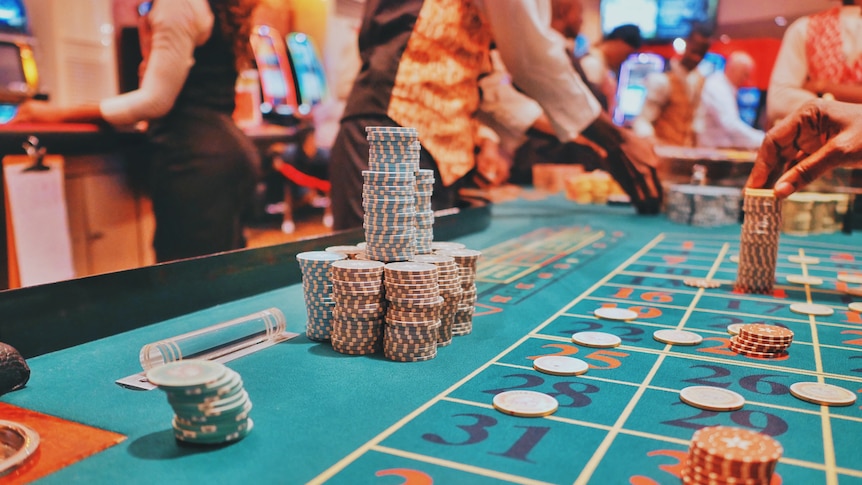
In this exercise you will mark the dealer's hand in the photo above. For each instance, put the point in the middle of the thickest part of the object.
(491, 167)
(819, 136)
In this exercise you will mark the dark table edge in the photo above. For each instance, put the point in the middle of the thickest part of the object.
(46, 318)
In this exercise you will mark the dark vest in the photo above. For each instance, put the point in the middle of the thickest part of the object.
(212, 78)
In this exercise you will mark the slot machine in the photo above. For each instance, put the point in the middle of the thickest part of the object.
(19, 79)
(308, 73)
(280, 100)
(631, 91)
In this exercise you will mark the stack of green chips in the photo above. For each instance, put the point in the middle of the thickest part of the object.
(209, 402)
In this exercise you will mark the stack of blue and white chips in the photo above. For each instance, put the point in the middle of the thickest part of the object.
(467, 260)
(317, 290)
(389, 193)
(424, 212)
(209, 401)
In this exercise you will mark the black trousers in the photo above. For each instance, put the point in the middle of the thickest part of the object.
(350, 157)
(202, 172)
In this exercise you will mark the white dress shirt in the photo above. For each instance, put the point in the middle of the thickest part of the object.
(523, 36)
(721, 126)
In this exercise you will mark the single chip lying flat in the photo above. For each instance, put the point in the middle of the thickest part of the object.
(598, 340)
(825, 394)
(701, 283)
(560, 365)
(677, 337)
(803, 259)
(528, 404)
(613, 313)
(711, 398)
(853, 279)
(799, 279)
(812, 309)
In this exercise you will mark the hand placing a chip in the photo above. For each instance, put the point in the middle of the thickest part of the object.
(819, 136)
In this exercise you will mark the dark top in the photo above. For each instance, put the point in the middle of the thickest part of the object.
(386, 28)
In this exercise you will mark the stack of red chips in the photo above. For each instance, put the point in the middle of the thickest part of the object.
(762, 341)
(723, 454)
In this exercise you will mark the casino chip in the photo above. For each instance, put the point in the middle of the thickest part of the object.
(702, 283)
(598, 340)
(733, 328)
(186, 374)
(853, 279)
(211, 406)
(711, 398)
(560, 365)
(317, 290)
(825, 394)
(758, 244)
(799, 279)
(803, 259)
(527, 404)
(812, 309)
(763, 341)
(855, 307)
(677, 337)
(728, 455)
(614, 313)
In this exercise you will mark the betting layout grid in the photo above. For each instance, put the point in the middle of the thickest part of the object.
(399, 291)
(628, 402)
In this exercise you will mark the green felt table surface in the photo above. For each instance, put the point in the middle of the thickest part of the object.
(324, 417)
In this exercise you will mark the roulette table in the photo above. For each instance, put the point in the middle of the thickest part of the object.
(547, 265)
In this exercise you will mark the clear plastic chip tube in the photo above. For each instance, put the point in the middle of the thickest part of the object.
(217, 340)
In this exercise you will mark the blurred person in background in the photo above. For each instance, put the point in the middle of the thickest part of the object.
(820, 55)
(722, 127)
(672, 98)
(202, 168)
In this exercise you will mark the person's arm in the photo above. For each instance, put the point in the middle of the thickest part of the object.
(539, 64)
(819, 136)
(178, 26)
(657, 91)
(505, 109)
(786, 85)
(719, 103)
(492, 168)
(850, 93)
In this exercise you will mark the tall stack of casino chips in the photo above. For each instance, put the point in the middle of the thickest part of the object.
(389, 193)
(762, 341)
(209, 401)
(357, 323)
(413, 313)
(467, 260)
(449, 283)
(424, 212)
(723, 454)
(317, 290)
(758, 245)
